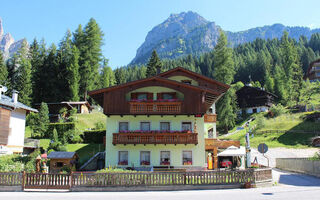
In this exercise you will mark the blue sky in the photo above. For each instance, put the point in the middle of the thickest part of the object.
(126, 23)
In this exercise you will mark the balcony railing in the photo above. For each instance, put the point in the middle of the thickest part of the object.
(154, 107)
(155, 138)
(210, 118)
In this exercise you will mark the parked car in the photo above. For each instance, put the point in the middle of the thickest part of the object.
(225, 163)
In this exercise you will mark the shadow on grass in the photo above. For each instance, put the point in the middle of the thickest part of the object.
(86, 152)
(296, 138)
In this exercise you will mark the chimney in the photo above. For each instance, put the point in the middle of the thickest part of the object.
(15, 96)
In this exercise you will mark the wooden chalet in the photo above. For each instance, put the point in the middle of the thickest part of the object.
(254, 100)
(313, 71)
(160, 121)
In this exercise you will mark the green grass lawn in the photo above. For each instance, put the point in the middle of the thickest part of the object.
(288, 140)
(85, 151)
(44, 143)
(85, 121)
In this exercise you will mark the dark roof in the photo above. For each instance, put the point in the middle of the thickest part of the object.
(61, 155)
(7, 101)
(257, 89)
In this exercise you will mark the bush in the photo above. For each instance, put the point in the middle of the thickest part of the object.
(261, 121)
(277, 110)
(99, 126)
(11, 163)
(60, 127)
(95, 136)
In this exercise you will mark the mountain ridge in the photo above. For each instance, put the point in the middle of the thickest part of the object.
(189, 33)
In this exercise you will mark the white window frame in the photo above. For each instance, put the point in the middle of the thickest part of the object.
(192, 160)
(121, 122)
(119, 157)
(187, 122)
(169, 157)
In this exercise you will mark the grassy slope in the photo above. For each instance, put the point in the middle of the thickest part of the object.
(85, 121)
(85, 151)
(284, 122)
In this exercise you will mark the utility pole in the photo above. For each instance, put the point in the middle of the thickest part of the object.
(248, 150)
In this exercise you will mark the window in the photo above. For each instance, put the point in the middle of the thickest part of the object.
(186, 126)
(123, 126)
(145, 158)
(164, 157)
(123, 158)
(186, 81)
(167, 96)
(164, 126)
(59, 164)
(145, 126)
(187, 157)
(143, 96)
(318, 74)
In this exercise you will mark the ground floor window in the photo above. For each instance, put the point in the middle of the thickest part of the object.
(145, 158)
(164, 157)
(187, 157)
(123, 158)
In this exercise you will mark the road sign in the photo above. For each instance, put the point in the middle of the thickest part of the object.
(262, 148)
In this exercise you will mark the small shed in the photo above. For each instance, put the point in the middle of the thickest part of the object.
(235, 154)
(60, 160)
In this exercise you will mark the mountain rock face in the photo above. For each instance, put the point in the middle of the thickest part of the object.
(7, 44)
(189, 33)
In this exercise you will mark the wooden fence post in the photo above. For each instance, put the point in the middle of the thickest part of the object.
(71, 179)
(23, 179)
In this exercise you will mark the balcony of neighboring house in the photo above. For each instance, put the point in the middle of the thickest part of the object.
(145, 103)
(155, 137)
(210, 118)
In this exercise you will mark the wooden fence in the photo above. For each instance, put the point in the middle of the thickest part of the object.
(135, 179)
(10, 179)
(161, 178)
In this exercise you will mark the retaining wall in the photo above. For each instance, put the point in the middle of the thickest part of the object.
(301, 165)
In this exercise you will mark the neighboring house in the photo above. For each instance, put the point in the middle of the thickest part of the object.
(60, 160)
(12, 123)
(82, 107)
(160, 121)
(313, 71)
(254, 100)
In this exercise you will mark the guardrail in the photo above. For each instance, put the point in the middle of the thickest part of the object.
(301, 165)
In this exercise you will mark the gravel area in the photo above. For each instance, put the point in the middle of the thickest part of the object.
(280, 152)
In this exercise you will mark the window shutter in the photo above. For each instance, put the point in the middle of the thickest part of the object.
(134, 95)
(150, 96)
(159, 95)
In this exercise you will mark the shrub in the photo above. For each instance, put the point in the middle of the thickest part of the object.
(60, 127)
(99, 126)
(261, 121)
(95, 136)
(277, 110)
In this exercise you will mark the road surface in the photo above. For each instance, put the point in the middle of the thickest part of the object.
(289, 186)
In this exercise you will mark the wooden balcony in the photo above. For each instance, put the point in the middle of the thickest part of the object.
(210, 118)
(155, 107)
(155, 138)
(223, 144)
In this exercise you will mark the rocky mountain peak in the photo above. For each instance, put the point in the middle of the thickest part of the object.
(8, 46)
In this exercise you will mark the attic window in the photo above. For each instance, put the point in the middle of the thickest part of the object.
(186, 81)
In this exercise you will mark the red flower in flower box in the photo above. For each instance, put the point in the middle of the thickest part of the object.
(165, 163)
(125, 162)
(187, 163)
(145, 163)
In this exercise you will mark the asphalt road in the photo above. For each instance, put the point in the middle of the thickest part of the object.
(289, 186)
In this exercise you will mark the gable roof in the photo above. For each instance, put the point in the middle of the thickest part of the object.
(193, 74)
(61, 155)
(256, 89)
(160, 77)
(7, 101)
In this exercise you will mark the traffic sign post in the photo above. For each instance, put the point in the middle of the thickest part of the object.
(263, 148)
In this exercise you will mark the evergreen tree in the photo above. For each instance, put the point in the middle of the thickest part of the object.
(43, 120)
(224, 72)
(68, 57)
(89, 42)
(107, 76)
(120, 76)
(21, 78)
(153, 65)
(3, 71)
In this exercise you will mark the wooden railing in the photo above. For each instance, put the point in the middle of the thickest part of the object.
(215, 143)
(161, 178)
(47, 181)
(155, 107)
(211, 118)
(155, 138)
(10, 178)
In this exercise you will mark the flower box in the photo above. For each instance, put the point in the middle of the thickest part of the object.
(144, 163)
(123, 162)
(187, 163)
(165, 163)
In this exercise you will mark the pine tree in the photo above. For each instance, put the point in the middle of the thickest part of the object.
(107, 76)
(153, 65)
(68, 58)
(21, 80)
(89, 42)
(3, 71)
(224, 72)
(43, 120)
(120, 76)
